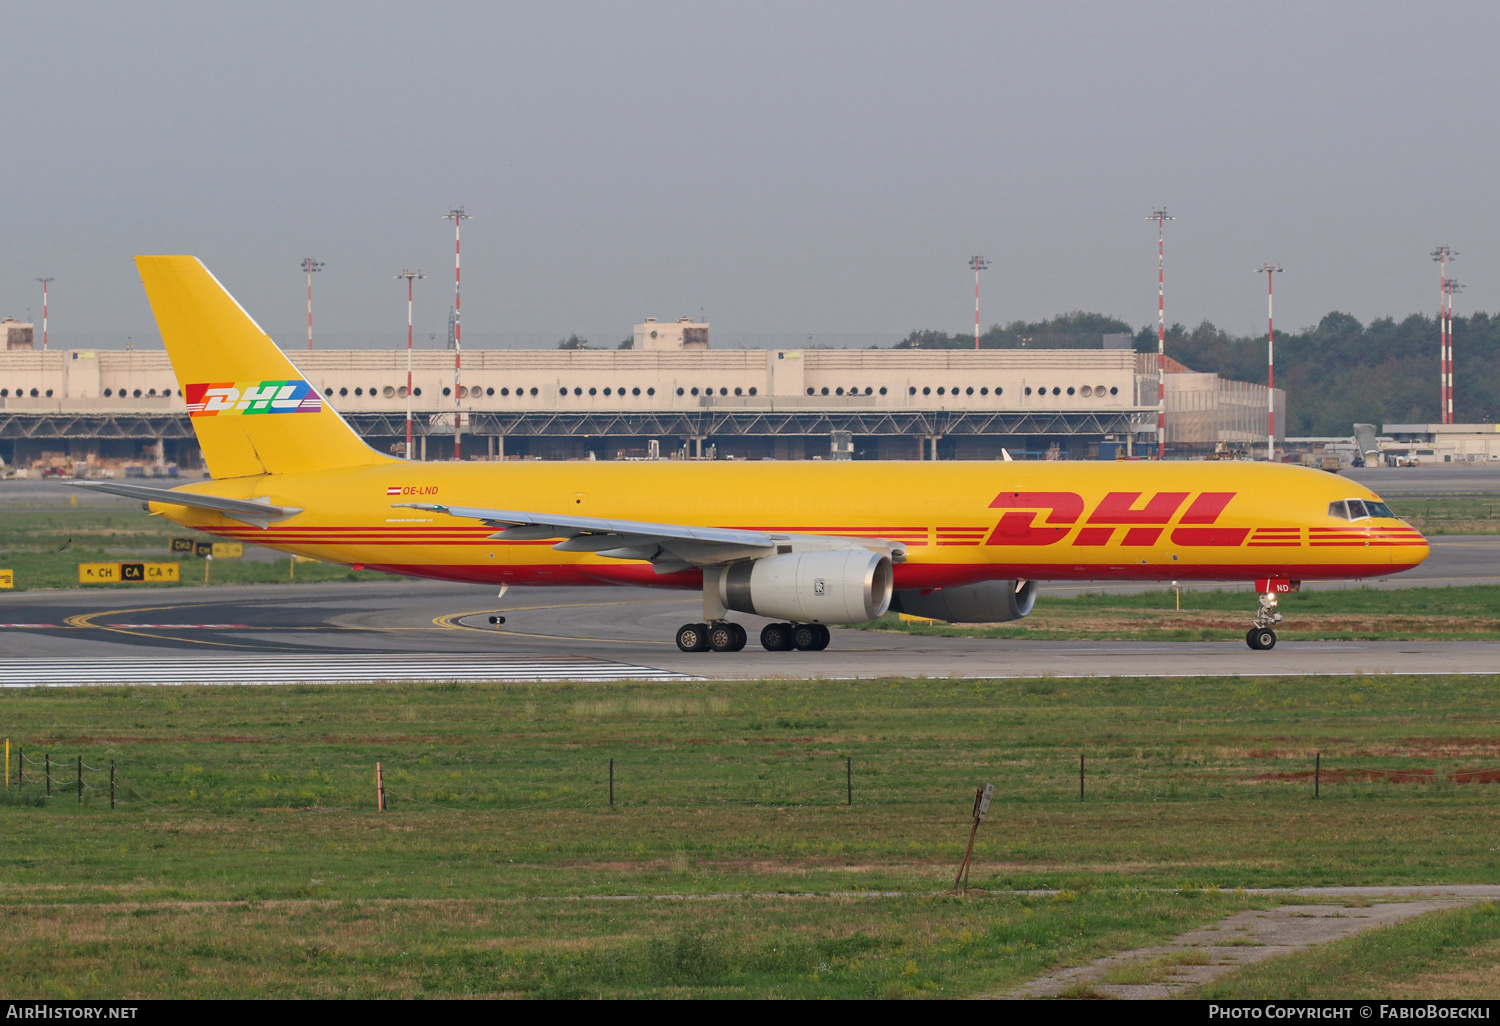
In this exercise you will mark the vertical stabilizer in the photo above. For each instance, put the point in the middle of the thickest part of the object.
(252, 410)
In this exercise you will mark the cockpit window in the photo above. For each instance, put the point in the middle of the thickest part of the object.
(1359, 509)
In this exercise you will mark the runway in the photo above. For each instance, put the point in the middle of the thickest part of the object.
(414, 630)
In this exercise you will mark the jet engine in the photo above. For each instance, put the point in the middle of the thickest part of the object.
(839, 586)
(985, 602)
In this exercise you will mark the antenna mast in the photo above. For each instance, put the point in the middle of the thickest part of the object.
(457, 216)
(1161, 217)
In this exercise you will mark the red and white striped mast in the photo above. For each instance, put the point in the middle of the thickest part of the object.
(1441, 256)
(979, 263)
(409, 276)
(1161, 218)
(309, 265)
(44, 282)
(1270, 271)
(1450, 286)
(457, 216)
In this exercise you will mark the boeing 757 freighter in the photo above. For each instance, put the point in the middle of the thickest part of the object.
(806, 543)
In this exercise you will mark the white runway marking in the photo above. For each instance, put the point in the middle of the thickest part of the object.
(316, 669)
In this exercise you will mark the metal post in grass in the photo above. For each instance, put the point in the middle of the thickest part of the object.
(20, 765)
(47, 771)
(982, 798)
(611, 783)
(111, 783)
(849, 779)
(7, 764)
(1317, 774)
(1080, 776)
(80, 780)
(379, 789)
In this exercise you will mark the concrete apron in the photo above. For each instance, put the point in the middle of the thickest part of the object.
(1242, 939)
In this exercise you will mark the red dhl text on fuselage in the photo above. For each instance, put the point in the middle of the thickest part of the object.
(960, 521)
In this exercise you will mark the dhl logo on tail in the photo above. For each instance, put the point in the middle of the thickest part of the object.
(210, 399)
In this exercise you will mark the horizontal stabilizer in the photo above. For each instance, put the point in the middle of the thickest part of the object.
(238, 508)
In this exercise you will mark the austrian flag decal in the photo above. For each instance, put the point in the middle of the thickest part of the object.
(411, 489)
(212, 398)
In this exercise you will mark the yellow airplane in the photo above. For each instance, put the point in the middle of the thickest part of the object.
(806, 543)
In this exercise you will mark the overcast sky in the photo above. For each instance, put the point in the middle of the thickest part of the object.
(789, 168)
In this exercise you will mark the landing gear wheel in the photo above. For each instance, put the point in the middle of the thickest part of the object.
(725, 637)
(777, 637)
(807, 635)
(1261, 638)
(823, 638)
(693, 637)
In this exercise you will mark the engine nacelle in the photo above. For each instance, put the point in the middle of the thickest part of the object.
(839, 586)
(985, 602)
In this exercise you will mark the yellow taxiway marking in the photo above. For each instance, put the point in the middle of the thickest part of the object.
(450, 621)
(86, 620)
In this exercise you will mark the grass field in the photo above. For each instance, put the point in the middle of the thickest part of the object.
(1466, 613)
(44, 548)
(1449, 514)
(251, 860)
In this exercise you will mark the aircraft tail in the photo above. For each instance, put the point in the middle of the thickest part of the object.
(252, 410)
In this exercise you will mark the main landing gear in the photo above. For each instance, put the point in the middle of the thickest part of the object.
(727, 636)
(1261, 637)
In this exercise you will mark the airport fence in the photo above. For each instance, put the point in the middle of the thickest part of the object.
(46, 777)
(51, 777)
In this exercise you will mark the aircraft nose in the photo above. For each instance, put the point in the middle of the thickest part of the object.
(1409, 548)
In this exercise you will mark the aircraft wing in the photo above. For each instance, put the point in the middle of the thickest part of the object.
(668, 547)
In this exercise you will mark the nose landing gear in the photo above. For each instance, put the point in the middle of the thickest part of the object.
(1261, 637)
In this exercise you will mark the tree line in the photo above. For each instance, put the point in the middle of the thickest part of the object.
(1336, 373)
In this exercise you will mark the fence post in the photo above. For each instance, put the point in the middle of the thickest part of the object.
(47, 771)
(20, 765)
(611, 783)
(111, 783)
(7, 764)
(80, 780)
(1317, 774)
(849, 778)
(1080, 776)
(379, 789)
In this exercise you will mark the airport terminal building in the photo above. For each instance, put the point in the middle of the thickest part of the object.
(671, 396)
